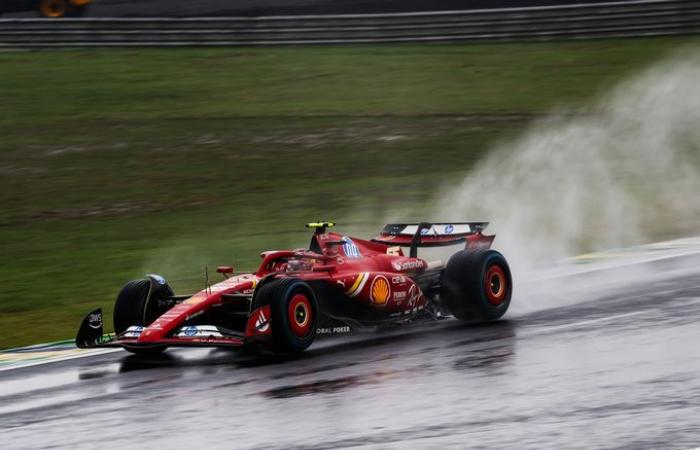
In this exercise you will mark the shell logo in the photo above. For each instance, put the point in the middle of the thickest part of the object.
(380, 291)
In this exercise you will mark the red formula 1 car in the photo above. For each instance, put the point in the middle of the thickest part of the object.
(337, 285)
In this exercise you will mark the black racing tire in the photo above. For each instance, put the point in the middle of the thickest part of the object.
(137, 304)
(477, 285)
(294, 313)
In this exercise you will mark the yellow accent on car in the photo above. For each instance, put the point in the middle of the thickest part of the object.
(80, 2)
(320, 224)
(355, 284)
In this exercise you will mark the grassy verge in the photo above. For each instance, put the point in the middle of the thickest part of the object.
(116, 163)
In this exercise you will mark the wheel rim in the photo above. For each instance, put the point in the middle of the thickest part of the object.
(300, 315)
(53, 8)
(496, 285)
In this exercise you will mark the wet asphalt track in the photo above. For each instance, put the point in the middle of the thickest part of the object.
(575, 365)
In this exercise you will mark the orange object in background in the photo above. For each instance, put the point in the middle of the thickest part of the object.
(50, 9)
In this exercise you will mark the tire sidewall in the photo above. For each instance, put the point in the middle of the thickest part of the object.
(464, 285)
(130, 305)
(278, 296)
(489, 310)
(136, 303)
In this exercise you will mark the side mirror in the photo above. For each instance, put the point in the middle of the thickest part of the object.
(225, 270)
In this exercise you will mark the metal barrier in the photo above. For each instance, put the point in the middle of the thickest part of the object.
(584, 21)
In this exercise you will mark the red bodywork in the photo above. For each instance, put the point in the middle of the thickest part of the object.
(375, 274)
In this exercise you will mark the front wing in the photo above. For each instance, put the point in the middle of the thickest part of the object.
(91, 335)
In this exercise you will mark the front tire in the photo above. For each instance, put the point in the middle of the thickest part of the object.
(477, 285)
(293, 313)
(138, 303)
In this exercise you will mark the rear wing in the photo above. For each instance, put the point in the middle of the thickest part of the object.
(427, 234)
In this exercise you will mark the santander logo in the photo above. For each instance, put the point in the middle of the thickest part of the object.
(408, 265)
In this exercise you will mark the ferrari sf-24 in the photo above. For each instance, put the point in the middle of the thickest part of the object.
(338, 284)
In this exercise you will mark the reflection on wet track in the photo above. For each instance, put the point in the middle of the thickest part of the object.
(617, 369)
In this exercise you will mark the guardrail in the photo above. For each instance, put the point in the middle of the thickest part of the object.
(584, 21)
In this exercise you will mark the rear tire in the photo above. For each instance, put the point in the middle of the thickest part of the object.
(137, 304)
(477, 285)
(293, 313)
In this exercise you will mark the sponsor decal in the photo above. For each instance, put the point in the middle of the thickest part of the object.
(413, 264)
(203, 331)
(350, 249)
(400, 296)
(398, 279)
(411, 304)
(357, 286)
(95, 321)
(394, 251)
(133, 331)
(412, 295)
(263, 323)
(380, 291)
(333, 330)
(449, 229)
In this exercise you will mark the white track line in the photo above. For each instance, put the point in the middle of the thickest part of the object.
(61, 358)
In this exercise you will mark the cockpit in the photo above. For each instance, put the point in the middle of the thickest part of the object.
(290, 264)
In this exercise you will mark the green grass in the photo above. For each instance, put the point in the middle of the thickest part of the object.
(117, 163)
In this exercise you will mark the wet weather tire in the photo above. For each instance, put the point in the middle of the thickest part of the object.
(477, 285)
(137, 305)
(293, 313)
